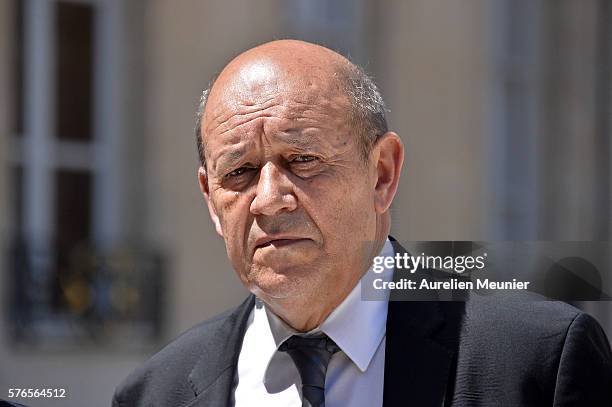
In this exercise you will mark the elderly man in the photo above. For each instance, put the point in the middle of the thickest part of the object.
(299, 170)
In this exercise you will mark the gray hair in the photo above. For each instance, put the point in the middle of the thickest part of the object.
(368, 110)
(198, 124)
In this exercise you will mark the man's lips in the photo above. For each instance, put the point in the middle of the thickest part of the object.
(277, 241)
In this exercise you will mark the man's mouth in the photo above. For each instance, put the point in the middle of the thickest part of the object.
(278, 242)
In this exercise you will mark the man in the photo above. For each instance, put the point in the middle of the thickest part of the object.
(299, 170)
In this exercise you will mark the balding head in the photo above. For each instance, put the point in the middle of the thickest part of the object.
(301, 65)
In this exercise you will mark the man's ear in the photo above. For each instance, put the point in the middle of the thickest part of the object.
(203, 180)
(388, 155)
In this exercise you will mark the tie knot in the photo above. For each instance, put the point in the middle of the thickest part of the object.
(313, 344)
(311, 355)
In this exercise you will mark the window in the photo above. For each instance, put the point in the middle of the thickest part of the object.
(72, 280)
(74, 39)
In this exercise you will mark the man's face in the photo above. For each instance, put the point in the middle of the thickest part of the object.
(287, 187)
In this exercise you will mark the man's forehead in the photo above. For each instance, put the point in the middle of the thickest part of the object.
(264, 85)
(250, 85)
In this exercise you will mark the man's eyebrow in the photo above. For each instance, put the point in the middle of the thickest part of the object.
(227, 159)
(294, 137)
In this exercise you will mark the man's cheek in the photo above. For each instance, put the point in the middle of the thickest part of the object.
(225, 207)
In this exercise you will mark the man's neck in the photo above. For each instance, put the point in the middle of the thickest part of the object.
(305, 313)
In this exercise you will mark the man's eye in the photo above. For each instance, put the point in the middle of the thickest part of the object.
(237, 172)
(304, 159)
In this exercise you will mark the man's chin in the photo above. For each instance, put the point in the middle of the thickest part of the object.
(279, 283)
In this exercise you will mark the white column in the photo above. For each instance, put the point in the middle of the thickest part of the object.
(39, 80)
(512, 118)
(107, 211)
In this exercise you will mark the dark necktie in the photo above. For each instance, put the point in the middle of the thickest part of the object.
(311, 357)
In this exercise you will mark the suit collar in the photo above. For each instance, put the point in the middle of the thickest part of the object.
(212, 377)
(420, 350)
(417, 365)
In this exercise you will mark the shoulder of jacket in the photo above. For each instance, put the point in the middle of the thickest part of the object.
(171, 366)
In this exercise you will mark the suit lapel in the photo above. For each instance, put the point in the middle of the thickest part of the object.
(212, 378)
(419, 351)
(417, 367)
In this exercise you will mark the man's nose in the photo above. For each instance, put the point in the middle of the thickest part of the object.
(274, 192)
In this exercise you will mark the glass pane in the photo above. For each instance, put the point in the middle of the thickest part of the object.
(73, 216)
(74, 25)
(73, 208)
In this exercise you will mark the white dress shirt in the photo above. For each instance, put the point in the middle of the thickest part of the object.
(355, 375)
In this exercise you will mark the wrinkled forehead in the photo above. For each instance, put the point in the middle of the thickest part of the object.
(294, 86)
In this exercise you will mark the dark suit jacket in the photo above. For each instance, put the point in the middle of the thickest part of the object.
(495, 350)
(4, 403)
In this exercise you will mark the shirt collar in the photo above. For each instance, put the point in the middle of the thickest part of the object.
(356, 326)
